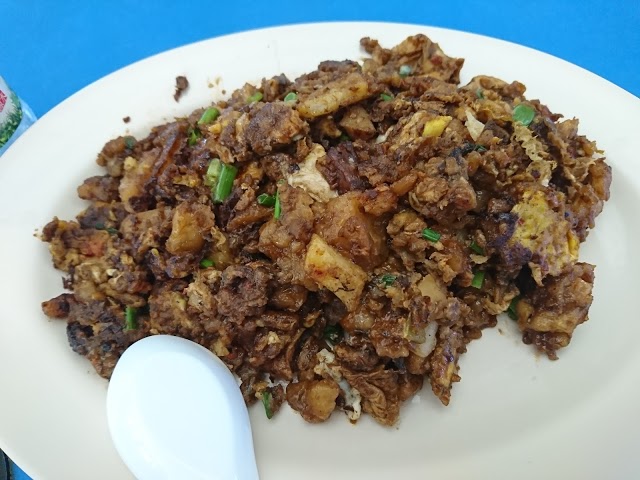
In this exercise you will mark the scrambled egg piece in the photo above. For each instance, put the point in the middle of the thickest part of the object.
(545, 233)
(435, 127)
(541, 166)
(327, 368)
(419, 126)
(339, 93)
(310, 179)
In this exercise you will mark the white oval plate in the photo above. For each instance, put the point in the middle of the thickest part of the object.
(514, 415)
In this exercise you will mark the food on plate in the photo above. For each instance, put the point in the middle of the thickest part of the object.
(339, 239)
(182, 84)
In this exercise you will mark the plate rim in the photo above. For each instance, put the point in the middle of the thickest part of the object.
(372, 25)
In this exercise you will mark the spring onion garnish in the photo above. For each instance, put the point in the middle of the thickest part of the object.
(523, 114)
(206, 263)
(431, 235)
(476, 248)
(209, 115)
(256, 97)
(266, 200)
(194, 135)
(387, 279)
(480, 148)
(266, 401)
(343, 138)
(277, 208)
(213, 172)
(130, 316)
(290, 97)
(479, 94)
(386, 97)
(129, 142)
(511, 311)
(110, 230)
(405, 70)
(225, 182)
(478, 279)
(332, 334)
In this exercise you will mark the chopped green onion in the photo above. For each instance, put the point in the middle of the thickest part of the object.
(478, 279)
(343, 138)
(209, 115)
(277, 208)
(511, 311)
(480, 148)
(476, 248)
(387, 279)
(266, 401)
(290, 97)
(110, 230)
(256, 97)
(523, 114)
(130, 314)
(405, 70)
(386, 97)
(332, 334)
(213, 172)
(129, 142)
(431, 235)
(194, 135)
(479, 94)
(206, 263)
(267, 200)
(225, 183)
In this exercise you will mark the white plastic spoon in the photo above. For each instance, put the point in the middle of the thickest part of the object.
(175, 412)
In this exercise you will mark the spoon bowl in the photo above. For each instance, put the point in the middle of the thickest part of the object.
(175, 411)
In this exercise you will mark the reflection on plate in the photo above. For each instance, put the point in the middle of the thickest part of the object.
(514, 415)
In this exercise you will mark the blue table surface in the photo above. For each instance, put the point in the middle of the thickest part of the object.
(49, 50)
